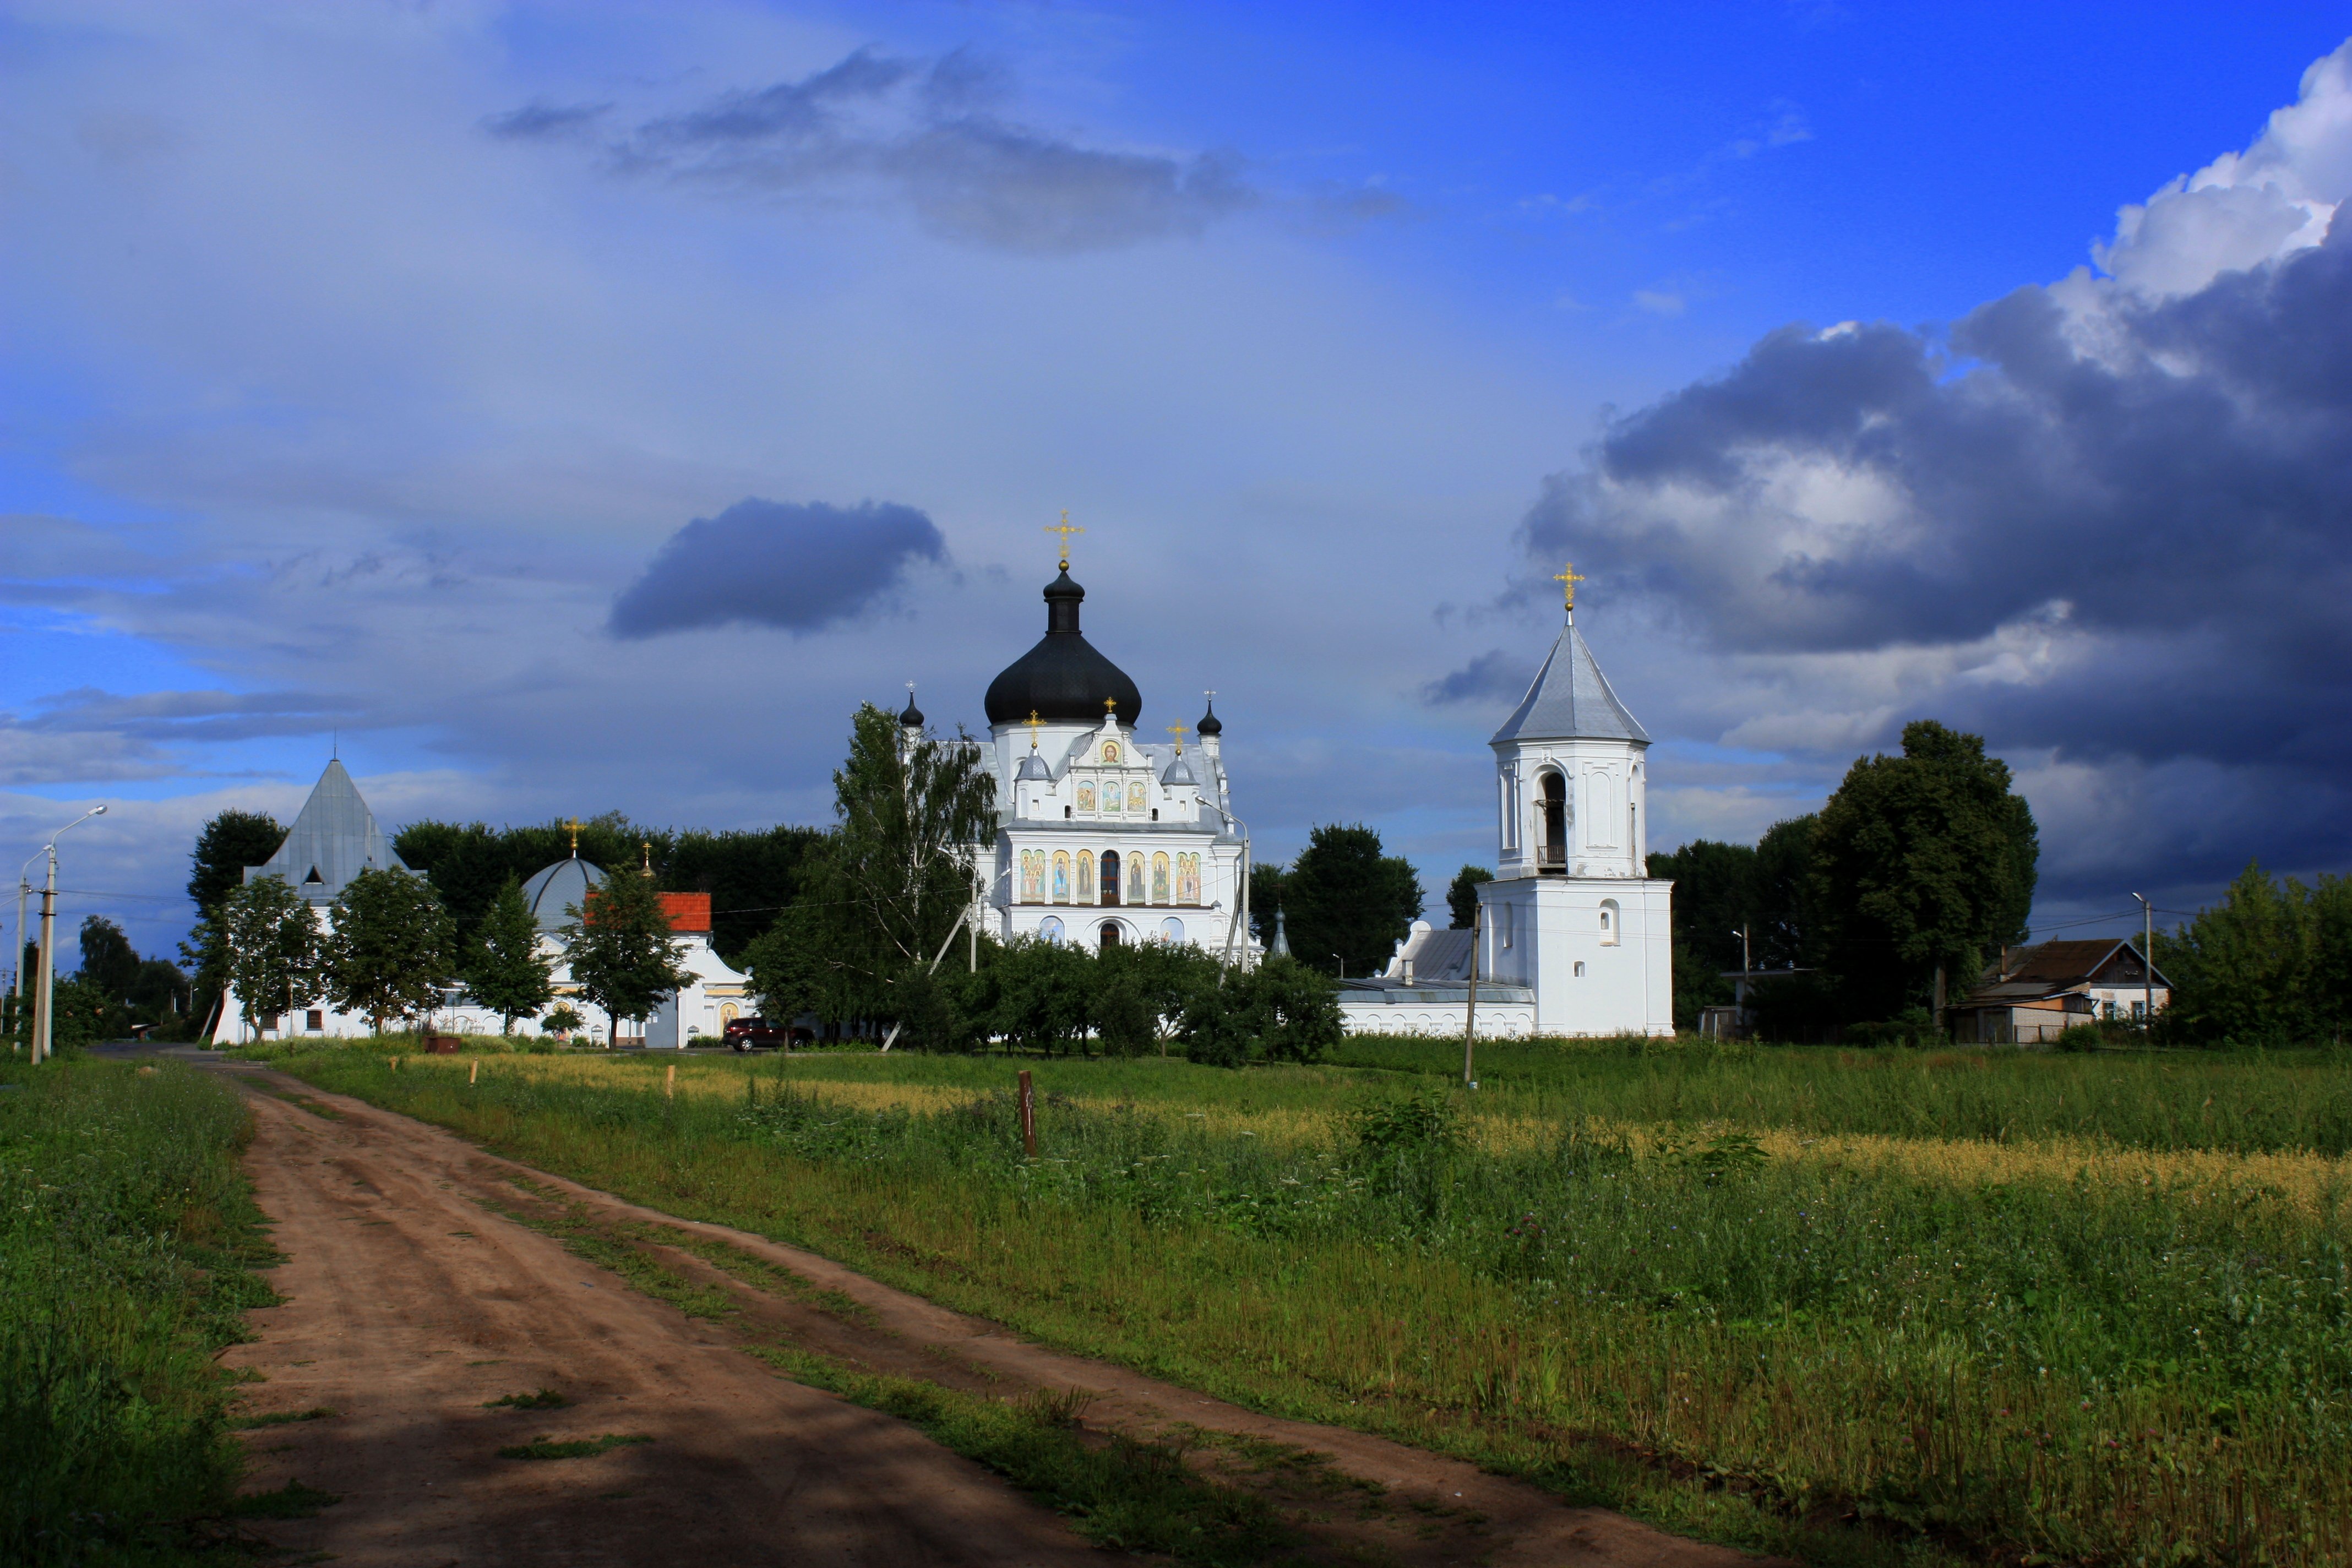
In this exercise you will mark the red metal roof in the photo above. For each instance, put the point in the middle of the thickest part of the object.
(687, 912)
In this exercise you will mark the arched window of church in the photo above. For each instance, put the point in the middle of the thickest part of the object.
(1110, 876)
(1609, 922)
(1050, 929)
(1551, 827)
(1061, 876)
(1135, 894)
(1033, 875)
(1086, 876)
(1160, 879)
(1086, 796)
(1171, 930)
(1135, 804)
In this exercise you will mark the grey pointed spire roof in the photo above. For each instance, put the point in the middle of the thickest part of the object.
(333, 840)
(1179, 772)
(1569, 700)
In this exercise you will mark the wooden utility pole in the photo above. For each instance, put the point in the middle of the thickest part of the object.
(2147, 964)
(1028, 1116)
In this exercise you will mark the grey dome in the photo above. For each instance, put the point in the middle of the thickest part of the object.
(560, 887)
(1179, 772)
(1033, 766)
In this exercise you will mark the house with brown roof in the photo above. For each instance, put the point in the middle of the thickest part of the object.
(2034, 994)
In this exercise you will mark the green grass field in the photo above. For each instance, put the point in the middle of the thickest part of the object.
(1859, 1305)
(127, 1241)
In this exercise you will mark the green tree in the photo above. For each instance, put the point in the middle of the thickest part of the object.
(273, 947)
(623, 957)
(108, 961)
(1139, 992)
(1921, 865)
(1715, 895)
(504, 969)
(1461, 898)
(393, 947)
(1785, 930)
(2264, 966)
(224, 847)
(562, 1019)
(1280, 1011)
(1036, 995)
(1347, 901)
(894, 876)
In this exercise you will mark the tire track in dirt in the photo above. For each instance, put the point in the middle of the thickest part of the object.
(757, 1468)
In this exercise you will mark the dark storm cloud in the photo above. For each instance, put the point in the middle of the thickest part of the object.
(2165, 485)
(800, 567)
(1492, 676)
(931, 135)
(2191, 475)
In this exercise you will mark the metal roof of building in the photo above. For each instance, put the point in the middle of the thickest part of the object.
(333, 840)
(1569, 700)
(554, 890)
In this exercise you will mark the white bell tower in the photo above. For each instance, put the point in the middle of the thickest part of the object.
(1572, 913)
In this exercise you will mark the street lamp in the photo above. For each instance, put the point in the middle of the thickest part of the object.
(44, 999)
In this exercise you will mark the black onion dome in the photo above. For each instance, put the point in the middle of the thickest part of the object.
(913, 717)
(1210, 723)
(1063, 680)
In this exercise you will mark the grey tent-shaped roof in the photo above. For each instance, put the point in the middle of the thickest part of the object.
(1570, 701)
(333, 840)
(554, 890)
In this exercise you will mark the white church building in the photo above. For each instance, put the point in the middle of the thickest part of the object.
(1103, 837)
(335, 837)
(1573, 935)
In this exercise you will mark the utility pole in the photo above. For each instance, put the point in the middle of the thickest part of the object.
(2146, 965)
(1746, 968)
(44, 998)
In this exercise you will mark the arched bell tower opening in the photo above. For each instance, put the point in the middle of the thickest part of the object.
(1110, 878)
(1551, 823)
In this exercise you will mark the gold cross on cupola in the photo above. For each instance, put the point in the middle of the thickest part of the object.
(571, 826)
(1064, 529)
(1178, 731)
(1568, 578)
(1034, 725)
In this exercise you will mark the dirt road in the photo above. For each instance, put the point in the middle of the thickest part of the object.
(414, 1299)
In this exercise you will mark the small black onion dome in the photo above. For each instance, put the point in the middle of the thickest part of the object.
(1063, 680)
(913, 717)
(1210, 723)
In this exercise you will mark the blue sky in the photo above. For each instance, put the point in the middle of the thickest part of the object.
(360, 359)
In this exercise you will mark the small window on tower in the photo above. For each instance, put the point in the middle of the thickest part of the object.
(317, 1021)
(1579, 969)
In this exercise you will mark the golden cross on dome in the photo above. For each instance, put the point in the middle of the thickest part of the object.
(1569, 579)
(1065, 530)
(647, 845)
(1178, 731)
(571, 825)
(1034, 723)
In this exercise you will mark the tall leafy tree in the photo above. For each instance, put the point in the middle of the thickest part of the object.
(1922, 865)
(272, 942)
(504, 969)
(1715, 895)
(224, 847)
(1785, 933)
(108, 961)
(623, 957)
(1347, 901)
(897, 871)
(1461, 898)
(2270, 965)
(393, 947)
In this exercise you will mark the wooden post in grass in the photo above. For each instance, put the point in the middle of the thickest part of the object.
(396, 1064)
(473, 1069)
(669, 1081)
(1028, 1115)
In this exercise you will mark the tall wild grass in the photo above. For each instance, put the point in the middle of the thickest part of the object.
(2108, 1366)
(124, 1233)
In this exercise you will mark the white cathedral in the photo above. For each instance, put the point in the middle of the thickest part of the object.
(1103, 837)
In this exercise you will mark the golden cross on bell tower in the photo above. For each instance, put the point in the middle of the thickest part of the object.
(1178, 731)
(1568, 579)
(1034, 725)
(1064, 529)
(571, 826)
